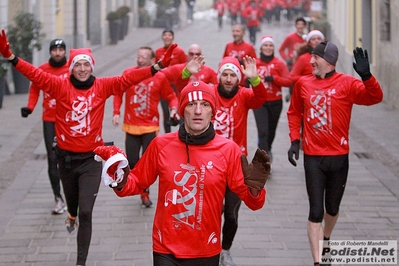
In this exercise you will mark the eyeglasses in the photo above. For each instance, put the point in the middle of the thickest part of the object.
(193, 54)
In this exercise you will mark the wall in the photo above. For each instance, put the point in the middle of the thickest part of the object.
(388, 57)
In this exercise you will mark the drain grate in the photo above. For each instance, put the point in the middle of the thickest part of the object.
(363, 155)
(39, 157)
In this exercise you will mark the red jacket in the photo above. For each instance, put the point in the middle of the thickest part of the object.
(276, 68)
(142, 99)
(187, 220)
(325, 107)
(48, 101)
(80, 113)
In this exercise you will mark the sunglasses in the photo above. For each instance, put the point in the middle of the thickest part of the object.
(193, 54)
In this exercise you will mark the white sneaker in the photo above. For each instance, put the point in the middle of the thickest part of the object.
(59, 206)
(226, 259)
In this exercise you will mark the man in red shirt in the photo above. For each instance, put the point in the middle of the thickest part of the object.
(56, 65)
(141, 118)
(193, 175)
(230, 121)
(78, 125)
(234, 9)
(290, 45)
(291, 42)
(321, 105)
(219, 6)
(239, 48)
(252, 16)
(178, 57)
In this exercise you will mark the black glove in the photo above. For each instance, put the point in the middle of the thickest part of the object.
(257, 172)
(25, 111)
(173, 121)
(294, 149)
(269, 78)
(362, 64)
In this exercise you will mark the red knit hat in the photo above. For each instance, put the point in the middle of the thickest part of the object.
(197, 91)
(80, 54)
(230, 63)
(115, 161)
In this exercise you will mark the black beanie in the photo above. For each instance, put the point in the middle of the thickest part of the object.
(57, 43)
(328, 51)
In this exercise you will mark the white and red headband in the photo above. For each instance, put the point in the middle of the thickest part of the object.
(79, 57)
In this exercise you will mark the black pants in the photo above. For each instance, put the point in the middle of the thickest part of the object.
(133, 143)
(81, 176)
(170, 260)
(266, 118)
(220, 21)
(252, 34)
(166, 114)
(325, 183)
(232, 205)
(52, 165)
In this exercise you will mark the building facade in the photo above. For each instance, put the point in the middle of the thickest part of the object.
(369, 24)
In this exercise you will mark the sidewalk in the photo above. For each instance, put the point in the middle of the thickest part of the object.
(274, 235)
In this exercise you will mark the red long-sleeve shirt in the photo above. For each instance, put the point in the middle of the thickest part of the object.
(80, 113)
(219, 7)
(325, 107)
(178, 55)
(142, 99)
(252, 14)
(231, 116)
(49, 102)
(239, 50)
(187, 220)
(302, 67)
(279, 71)
(290, 44)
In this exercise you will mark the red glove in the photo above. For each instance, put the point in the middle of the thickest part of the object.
(167, 57)
(4, 45)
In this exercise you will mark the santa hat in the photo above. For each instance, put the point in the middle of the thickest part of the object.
(115, 161)
(328, 51)
(230, 63)
(266, 39)
(80, 54)
(313, 33)
(197, 91)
